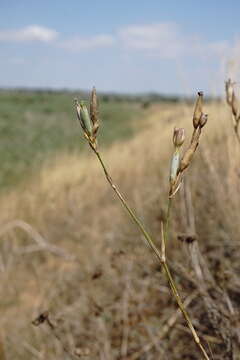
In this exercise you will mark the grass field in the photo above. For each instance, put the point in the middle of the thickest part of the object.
(68, 247)
(35, 126)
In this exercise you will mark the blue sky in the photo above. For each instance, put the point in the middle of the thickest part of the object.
(172, 47)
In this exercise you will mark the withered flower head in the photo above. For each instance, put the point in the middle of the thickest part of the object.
(178, 136)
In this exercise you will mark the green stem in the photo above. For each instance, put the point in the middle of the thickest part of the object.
(166, 231)
(129, 210)
(183, 310)
(155, 250)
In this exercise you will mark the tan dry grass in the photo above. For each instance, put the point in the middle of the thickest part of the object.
(70, 204)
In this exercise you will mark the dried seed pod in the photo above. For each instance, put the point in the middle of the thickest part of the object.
(187, 158)
(229, 91)
(198, 110)
(203, 120)
(94, 111)
(174, 167)
(235, 106)
(178, 136)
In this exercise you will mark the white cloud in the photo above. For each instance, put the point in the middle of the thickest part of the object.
(218, 47)
(79, 43)
(167, 40)
(162, 38)
(29, 33)
(231, 61)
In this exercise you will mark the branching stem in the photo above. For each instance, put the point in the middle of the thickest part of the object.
(151, 243)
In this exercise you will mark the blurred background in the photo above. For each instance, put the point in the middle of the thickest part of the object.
(67, 246)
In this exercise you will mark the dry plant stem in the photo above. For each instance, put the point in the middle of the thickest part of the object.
(237, 133)
(161, 258)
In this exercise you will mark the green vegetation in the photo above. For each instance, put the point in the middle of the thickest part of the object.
(36, 125)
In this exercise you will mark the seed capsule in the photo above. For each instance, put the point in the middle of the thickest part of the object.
(94, 106)
(94, 111)
(198, 110)
(203, 120)
(235, 106)
(85, 119)
(178, 136)
(229, 91)
(174, 167)
(78, 108)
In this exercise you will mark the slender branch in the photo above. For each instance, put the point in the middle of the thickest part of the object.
(129, 210)
(237, 133)
(152, 245)
(166, 231)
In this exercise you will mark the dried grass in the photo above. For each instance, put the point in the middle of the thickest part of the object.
(112, 303)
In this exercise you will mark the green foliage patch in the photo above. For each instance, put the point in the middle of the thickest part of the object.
(35, 125)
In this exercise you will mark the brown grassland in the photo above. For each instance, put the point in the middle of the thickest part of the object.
(68, 247)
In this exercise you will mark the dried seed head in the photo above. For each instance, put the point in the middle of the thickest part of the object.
(94, 111)
(178, 136)
(198, 110)
(229, 91)
(203, 120)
